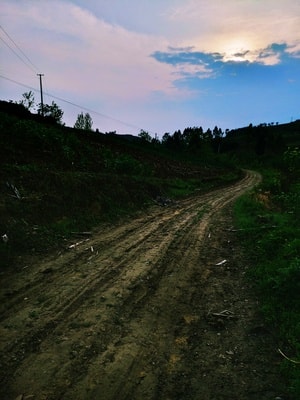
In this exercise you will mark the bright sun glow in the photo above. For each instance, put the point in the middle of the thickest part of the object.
(237, 50)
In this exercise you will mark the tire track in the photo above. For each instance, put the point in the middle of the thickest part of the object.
(147, 252)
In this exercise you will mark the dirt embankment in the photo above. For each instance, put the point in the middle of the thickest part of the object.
(155, 308)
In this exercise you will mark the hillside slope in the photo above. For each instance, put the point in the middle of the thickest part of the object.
(56, 180)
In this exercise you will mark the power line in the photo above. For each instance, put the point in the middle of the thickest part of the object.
(74, 104)
(30, 65)
(18, 83)
(95, 112)
(16, 54)
(35, 69)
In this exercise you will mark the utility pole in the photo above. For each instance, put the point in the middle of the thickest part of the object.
(41, 88)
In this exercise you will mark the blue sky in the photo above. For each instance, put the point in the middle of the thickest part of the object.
(157, 65)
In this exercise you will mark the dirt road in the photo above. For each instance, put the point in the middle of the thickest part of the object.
(146, 310)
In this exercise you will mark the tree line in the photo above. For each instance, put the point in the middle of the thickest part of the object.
(192, 139)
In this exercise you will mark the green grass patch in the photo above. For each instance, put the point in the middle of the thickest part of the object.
(271, 235)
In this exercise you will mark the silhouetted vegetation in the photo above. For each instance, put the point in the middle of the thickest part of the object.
(51, 111)
(84, 121)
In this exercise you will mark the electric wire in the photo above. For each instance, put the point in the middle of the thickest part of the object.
(19, 83)
(35, 69)
(94, 112)
(17, 55)
(74, 104)
(30, 65)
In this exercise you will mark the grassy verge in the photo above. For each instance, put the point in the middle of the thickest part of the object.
(268, 219)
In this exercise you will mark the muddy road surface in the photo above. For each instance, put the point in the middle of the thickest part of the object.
(155, 308)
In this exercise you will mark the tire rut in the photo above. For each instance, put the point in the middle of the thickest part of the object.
(137, 277)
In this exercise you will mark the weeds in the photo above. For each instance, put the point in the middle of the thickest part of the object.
(275, 255)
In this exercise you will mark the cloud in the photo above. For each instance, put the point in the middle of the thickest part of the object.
(235, 26)
(272, 54)
(294, 50)
(86, 54)
(200, 73)
(142, 62)
(209, 61)
(241, 55)
(187, 63)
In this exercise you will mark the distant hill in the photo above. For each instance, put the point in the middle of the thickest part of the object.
(262, 140)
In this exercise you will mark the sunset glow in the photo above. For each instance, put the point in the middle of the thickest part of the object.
(160, 66)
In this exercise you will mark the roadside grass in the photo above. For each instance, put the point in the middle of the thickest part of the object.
(268, 222)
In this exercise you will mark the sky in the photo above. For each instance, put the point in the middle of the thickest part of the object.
(156, 65)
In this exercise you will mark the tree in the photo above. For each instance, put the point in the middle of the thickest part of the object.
(155, 140)
(195, 139)
(88, 122)
(79, 124)
(166, 139)
(84, 122)
(217, 132)
(52, 111)
(28, 100)
(145, 136)
(177, 139)
(217, 139)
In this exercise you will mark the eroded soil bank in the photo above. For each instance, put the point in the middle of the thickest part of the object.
(155, 308)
